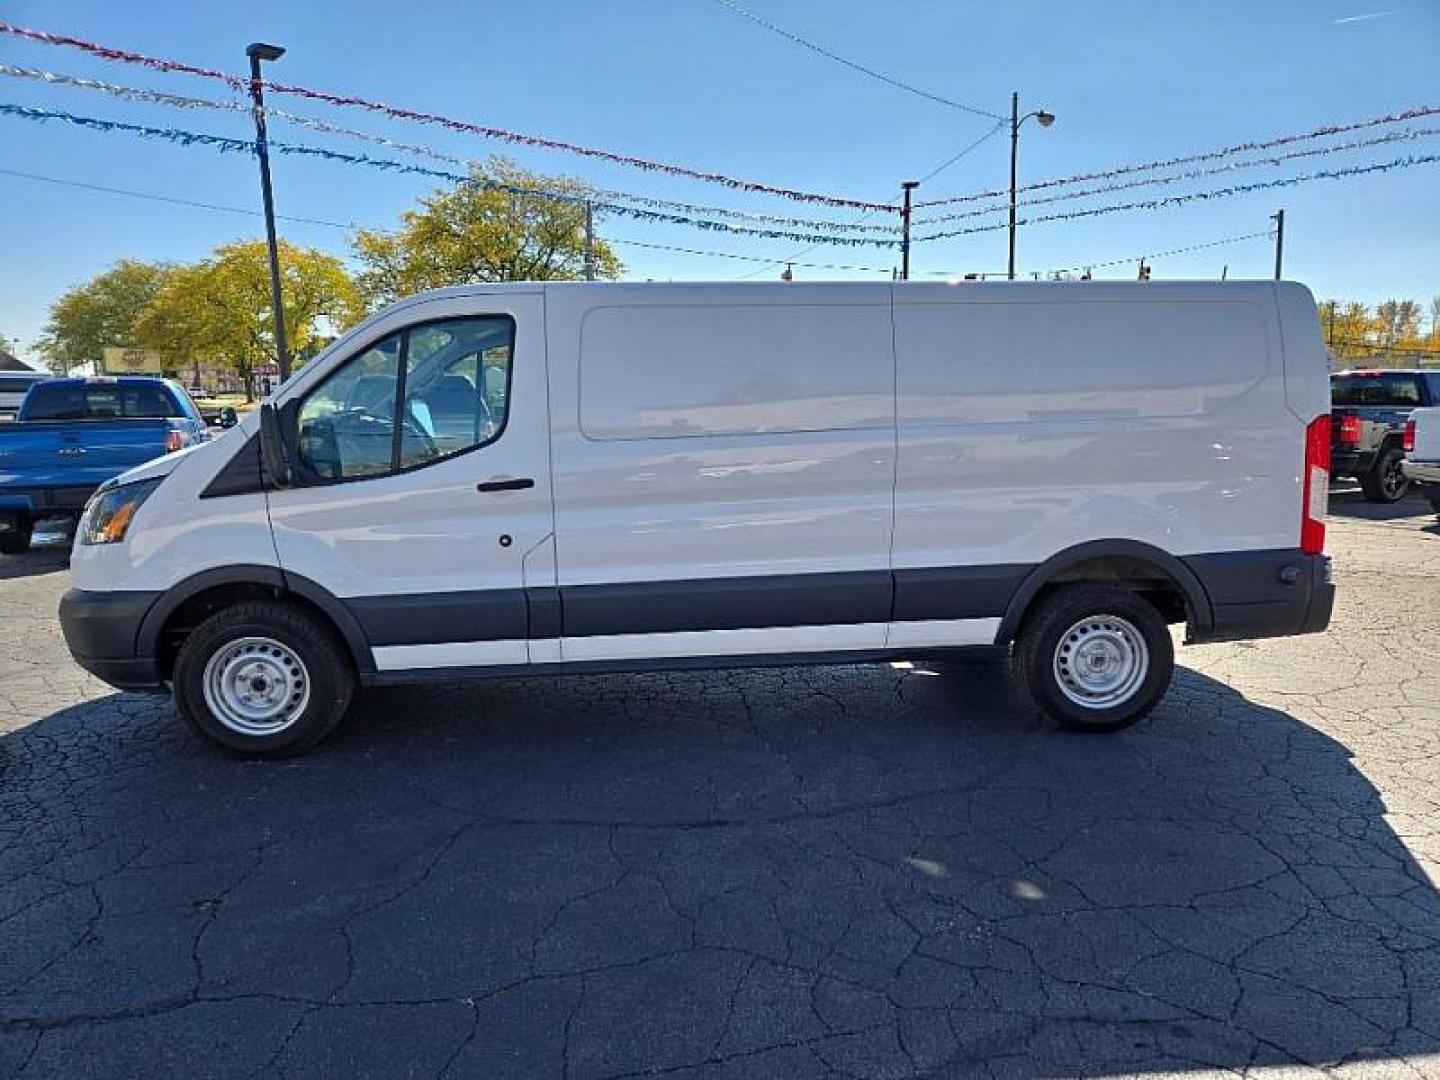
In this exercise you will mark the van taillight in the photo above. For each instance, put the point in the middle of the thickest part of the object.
(174, 440)
(1315, 494)
(1350, 430)
(1408, 443)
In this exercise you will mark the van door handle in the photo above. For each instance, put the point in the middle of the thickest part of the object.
(506, 485)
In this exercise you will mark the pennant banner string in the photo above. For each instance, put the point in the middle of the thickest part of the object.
(227, 145)
(238, 83)
(1191, 174)
(1190, 159)
(131, 93)
(1202, 196)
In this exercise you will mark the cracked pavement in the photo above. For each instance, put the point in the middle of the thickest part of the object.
(862, 871)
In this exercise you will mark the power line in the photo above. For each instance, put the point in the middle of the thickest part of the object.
(745, 258)
(1131, 260)
(173, 200)
(889, 80)
(858, 222)
(972, 146)
(237, 83)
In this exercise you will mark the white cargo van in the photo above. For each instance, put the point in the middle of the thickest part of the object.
(499, 480)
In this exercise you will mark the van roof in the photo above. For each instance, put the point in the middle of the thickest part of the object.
(994, 287)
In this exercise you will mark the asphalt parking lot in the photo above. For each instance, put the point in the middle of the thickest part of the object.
(866, 871)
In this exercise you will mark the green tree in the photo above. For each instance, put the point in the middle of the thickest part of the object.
(219, 309)
(101, 312)
(476, 232)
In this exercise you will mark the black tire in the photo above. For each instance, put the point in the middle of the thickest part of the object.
(17, 542)
(1385, 483)
(1059, 616)
(1432, 494)
(312, 675)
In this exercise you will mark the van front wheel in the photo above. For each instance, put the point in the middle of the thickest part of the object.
(263, 678)
(1095, 658)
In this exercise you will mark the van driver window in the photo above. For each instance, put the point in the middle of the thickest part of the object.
(418, 396)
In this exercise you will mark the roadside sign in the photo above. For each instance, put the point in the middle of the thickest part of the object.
(121, 361)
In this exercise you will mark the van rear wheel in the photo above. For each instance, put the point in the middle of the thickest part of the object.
(263, 679)
(1095, 658)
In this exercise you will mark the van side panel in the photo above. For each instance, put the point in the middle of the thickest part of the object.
(1032, 420)
(710, 433)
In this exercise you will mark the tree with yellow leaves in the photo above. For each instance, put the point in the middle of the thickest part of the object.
(220, 308)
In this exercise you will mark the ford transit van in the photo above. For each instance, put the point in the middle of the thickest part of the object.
(537, 478)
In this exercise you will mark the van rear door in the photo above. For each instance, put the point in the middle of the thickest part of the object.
(424, 481)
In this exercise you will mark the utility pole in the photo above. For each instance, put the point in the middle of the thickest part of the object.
(589, 240)
(1279, 218)
(257, 52)
(1330, 324)
(906, 188)
(1014, 156)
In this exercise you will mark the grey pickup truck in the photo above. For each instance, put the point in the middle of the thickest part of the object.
(1367, 425)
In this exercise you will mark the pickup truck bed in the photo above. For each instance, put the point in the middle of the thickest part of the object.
(1367, 424)
(50, 467)
(1422, 454)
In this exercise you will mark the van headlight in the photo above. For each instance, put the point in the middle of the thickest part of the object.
(107, 517)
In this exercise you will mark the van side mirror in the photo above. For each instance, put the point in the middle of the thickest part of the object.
(229, 417)
(274, 462)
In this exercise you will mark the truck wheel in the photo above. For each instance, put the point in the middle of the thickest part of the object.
(1095, 658)
(263, 678)
(1432, 493)
(1385, 483)
(16, 540)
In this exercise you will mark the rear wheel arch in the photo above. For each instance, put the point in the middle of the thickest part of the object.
(1162, 578)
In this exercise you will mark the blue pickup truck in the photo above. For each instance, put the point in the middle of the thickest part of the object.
(71, 435)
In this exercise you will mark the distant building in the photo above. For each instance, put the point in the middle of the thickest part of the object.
(12, 363)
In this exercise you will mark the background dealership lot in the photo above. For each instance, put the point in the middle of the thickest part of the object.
(838, 871)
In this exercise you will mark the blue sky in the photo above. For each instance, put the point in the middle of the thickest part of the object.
(691, 82)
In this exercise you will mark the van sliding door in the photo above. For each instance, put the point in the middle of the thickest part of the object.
(724, 465)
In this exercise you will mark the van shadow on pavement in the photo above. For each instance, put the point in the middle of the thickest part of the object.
(764, 873)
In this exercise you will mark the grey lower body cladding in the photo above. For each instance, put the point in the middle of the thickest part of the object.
(1228, 595)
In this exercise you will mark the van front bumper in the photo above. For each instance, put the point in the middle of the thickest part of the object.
(102, 628)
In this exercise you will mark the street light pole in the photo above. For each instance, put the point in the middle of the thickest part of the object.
(1044, 119)
(906, 187)
(257, 52)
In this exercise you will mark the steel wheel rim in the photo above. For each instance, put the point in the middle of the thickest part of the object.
(256, 686)
(1101, 662)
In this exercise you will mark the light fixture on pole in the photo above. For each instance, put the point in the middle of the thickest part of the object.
(1044, 119)
(257, 52)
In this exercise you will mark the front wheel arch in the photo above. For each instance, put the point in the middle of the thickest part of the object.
(186, 604)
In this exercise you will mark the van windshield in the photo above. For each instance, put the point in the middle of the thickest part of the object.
(1390, 388)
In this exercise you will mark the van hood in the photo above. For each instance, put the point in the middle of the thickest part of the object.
(156, 468)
